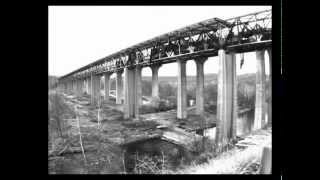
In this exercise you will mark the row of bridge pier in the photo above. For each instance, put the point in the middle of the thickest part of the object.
(129, 90)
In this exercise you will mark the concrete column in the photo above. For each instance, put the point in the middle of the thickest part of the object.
(138, 90)
(89, 85)
(270, 86)
(79, 87)
(226, 101)
(119, 87)
(70, 86)
(200, 86)
(106, 86)
(94, 89)
(129, 93)
(76, 83)
(74, 87)
(182, 90)
(259, 114)
(155, 82)
(99, 87)
(84, 87)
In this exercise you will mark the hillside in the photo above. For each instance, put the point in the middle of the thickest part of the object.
(208, 78)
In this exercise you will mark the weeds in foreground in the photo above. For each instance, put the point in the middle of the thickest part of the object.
(145, 164)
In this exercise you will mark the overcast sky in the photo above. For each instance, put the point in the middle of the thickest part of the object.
(79, 35)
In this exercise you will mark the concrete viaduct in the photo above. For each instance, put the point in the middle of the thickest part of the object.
(212, 37)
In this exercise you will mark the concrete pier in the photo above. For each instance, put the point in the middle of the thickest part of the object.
(226, 101)
(259, 114)
(138, 90)
(200, 86)
(270, 86)
(79, 93)
(155, 82)
(84, 87)
(182, 90)
(119, 87)
(106, 86)
(73, 86)
(129, 93)
(94, 89)
(89, 85)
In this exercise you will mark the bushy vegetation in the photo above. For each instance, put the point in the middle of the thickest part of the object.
(168, 92)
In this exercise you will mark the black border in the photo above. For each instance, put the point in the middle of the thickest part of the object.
(39, 65)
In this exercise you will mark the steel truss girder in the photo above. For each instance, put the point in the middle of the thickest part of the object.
(233, 34)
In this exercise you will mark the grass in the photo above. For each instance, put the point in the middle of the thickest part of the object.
(234, 160)
(110, 159)
(231, 162)
(105, 159)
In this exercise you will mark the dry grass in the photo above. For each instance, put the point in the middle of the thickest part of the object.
(231, 162)
(234, 161)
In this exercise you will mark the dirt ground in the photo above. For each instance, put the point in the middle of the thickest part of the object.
(113, 132)
(104, 152)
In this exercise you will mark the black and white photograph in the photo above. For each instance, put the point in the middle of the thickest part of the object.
(160, 89)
